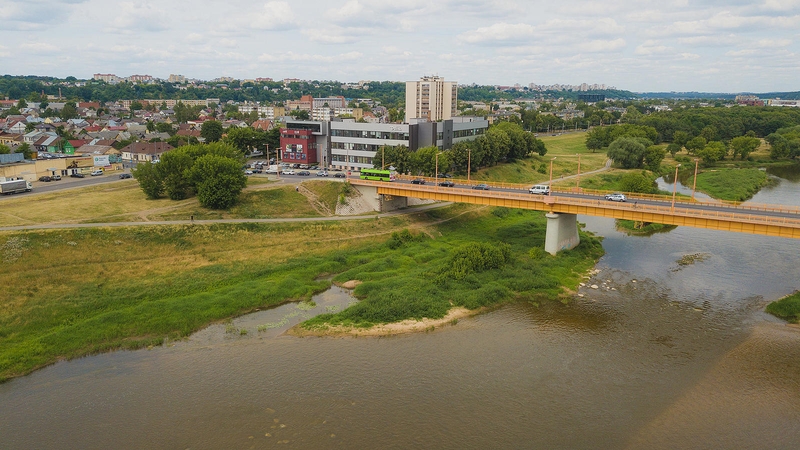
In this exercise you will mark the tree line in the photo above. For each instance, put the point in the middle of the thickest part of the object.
(503, 142)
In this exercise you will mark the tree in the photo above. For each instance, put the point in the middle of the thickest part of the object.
(4, 149)
(695, 144)
(26, 150)
(69, 111)
(173, 168)
(211, 131)
(136, 105)
(743, 146)
(673, 148)
(653, 156)
(713, 151)
(299, 114)
(149, 179)
(246, 139)
(637, 182)
(218, 181)
(151, 127)
(628, 152)
(681, 137)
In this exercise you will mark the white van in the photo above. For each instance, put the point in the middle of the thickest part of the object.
(541, 189)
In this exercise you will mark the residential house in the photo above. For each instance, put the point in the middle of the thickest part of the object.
(145, 151)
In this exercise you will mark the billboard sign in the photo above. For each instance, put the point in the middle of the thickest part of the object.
(101, 161)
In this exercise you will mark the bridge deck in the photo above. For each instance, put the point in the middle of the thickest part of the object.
(761, 219)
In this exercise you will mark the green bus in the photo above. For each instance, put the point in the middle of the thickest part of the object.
(377, 175)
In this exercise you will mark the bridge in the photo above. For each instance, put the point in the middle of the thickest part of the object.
(563, 207)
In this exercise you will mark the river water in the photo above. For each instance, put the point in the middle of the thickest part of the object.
(658, 356)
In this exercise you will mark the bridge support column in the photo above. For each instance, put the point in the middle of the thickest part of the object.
(379, 202)
(562, 232)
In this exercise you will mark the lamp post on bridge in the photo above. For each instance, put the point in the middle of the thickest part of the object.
(578, 183)
(469, 163)
(436, 176)
(694, 182)
(551, 174)
(675, 188)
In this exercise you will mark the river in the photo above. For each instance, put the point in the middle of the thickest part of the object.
(658, 356)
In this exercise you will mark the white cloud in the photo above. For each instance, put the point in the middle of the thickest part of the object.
(517, 32)
(39, 47)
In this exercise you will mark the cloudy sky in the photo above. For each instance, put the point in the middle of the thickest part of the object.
(641, 45)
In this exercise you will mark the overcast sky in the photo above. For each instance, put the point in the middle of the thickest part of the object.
(642, 45)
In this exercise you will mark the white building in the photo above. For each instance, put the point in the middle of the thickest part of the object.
(431, 98)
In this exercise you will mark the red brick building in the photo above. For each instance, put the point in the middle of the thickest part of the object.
(298, 147)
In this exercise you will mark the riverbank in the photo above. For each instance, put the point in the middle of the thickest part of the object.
(786, 308)
(135, 287)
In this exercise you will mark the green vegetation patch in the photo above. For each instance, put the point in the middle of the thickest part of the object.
(787, 308)
(732, 184)
(476, 262)
(637, 228)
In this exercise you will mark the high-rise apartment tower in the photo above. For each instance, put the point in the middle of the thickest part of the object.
(431, 98)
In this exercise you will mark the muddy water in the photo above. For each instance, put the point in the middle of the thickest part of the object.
(660, 355)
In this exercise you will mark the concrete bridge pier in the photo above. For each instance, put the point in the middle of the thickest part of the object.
(562, 232)
(380, 202)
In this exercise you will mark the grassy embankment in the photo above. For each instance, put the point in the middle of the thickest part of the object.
(787, 308)
(73, 292)
(123, 202)
(424, 275)
(730, 184)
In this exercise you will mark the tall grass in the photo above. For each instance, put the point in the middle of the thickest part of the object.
(413, 280)
(787, 308)
(731, 184)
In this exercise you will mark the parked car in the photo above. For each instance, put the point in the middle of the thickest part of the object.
(447, 183)
(481, 187)
(96, 173)
(418, 181)
(124, 175)
(541, 189)
(56, 177)
(616, 197)
(45, 178)
(339, 175)
(248, 172)
(304, 173)
(322, 173)
(77, 175)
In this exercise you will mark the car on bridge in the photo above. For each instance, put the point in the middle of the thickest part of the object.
(447, 183)
(616, 197)
(418, 181)
(481, 187)
(541, 189)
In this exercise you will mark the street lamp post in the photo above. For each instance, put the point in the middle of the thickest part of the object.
(551, 173)
(469, 163)
(436, 177)
(694, 182)
(383, 156)
(675, 187)
(578, 183)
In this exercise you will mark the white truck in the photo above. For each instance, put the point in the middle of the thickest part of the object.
(15, 186)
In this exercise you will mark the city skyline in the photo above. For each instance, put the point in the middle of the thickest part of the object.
(706, 46)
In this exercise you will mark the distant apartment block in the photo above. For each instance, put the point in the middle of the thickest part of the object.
(784, 103)
(176, 78)
(107, 77)
(267, 112)
(749, 100)
(140, 79)
(431, 98)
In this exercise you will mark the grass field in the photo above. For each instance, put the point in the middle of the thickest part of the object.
(730, 184)
(123, 201)
(134, 287)
(565, 148)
